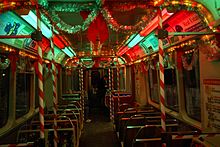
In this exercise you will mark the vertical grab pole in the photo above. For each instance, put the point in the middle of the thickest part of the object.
(118, 82)
(55, 101)
(113, 100)
(162, 98)
(82, 88)
(110, 95)
(40, 80)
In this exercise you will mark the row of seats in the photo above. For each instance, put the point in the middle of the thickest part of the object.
(141, 126)
(69, 121)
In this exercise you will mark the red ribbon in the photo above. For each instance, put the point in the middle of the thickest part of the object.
(59, 69)
(49, 65)
(13, 57)
(36, 67)
(179, 58)
(97, 29)
(143, 67)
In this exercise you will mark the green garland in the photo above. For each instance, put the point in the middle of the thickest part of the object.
(72, 7)
(74, 29)
(113, 24)
(43, 3)
(95, 9)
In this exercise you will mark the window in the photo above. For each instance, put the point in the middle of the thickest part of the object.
(191, 80)
(4, 92)
(170, 88)
(153, 81)
(23, 89)
(70, 80)
(122, 79)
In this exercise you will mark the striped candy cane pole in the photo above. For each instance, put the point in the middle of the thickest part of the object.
(82, 89)
(40, 79)
(113, 100)
(110, 96)
(162, 98)
(118, 82)
(54, 92)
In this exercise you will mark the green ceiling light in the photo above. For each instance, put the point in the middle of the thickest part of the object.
(31, 18)
(72, 51)
(69, 51)
(86, 59)
(135, 41)
(58, 55)
(150, 43)
(130, 38)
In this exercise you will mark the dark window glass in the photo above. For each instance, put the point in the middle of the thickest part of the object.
(170, 88)
(4, 93)
(70, 80)
(191, 80)
(153, 82)
(23, 89)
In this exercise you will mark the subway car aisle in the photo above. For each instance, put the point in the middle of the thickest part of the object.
(99, 132)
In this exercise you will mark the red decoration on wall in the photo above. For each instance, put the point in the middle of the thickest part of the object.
(58, 66)
(13, 57)
(144, 67)
(97, 29)
(36, 67)
(179, 58)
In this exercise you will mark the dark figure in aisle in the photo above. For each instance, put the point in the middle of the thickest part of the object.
(102, 88)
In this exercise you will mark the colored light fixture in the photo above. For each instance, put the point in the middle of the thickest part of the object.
(69, 51)
(31, 18)
(135, 41)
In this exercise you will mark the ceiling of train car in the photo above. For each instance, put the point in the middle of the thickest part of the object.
(115, 21)
(101, 29)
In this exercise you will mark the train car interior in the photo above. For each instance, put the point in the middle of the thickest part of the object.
(112, 73)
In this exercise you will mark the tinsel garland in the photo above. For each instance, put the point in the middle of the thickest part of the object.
(5, 64)
(88, 64)
(188, 5)
(43, 3)
(128, 7)
(185, 58)
(104, 64)
(113, 24)
(74, 29)
(69, 7)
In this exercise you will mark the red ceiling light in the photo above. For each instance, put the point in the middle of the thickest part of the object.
(58, 41)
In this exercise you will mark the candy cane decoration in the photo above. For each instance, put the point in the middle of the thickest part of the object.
(118, 82)
(81, 89)
(162, 98)
(40, 78)
(110, 96)
(54, 91)
(112, 87)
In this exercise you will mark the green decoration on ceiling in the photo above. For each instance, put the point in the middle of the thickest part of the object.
(74, 29)
(114, 25)
(72, 7)
(43, 3)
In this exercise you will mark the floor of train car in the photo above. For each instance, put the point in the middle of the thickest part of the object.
(99, 131)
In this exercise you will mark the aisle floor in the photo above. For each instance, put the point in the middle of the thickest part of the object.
(99, 132)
